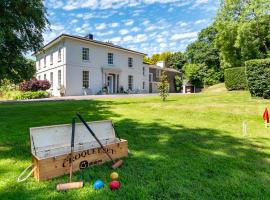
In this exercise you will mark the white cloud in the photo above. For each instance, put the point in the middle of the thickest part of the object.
(107, 4)
(128, 38)
(151, 28)
(105, 33)
(201, 21)
(135, 29)
(129, 22)
(116, 39)
(57, 27)
(114, 24)
(146, 22)
(140, 38)
(124, 31)
(163, 45)
(74, 21)
(199, 3)
(181, 36)
(100, 26)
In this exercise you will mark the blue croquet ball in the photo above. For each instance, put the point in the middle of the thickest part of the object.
(98, 184)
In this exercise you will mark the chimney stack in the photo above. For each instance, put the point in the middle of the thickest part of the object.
(89, 36)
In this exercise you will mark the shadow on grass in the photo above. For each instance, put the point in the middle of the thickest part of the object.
(166, 162)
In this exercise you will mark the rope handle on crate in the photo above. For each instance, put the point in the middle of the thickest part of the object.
(20, 179)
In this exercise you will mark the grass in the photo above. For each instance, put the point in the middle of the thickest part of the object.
(190, 147)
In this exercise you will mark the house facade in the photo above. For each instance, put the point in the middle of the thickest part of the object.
(155, 72)
(84, 66)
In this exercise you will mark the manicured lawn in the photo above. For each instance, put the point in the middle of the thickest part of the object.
(190, 147)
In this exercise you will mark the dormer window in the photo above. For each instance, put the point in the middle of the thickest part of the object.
(110, 58)
(85, 54)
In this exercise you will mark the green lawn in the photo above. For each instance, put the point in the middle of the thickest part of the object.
(190, 147)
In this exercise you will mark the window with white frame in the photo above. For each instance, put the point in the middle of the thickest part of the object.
(110, 58)
(143, 70)
(44, 61)
(85, 54)
(51, 59)
(158, 73)
(130, 62)
(130, 82)
(150, 77)
(59, 54)
(59, 78)
(51, 79)
(45, 78)
(39, 77)
(85, 79)
(39, 64)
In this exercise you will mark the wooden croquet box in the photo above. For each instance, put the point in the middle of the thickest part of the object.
(50, 148)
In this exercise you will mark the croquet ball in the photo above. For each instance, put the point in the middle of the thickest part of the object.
(114, 176)
(114, 185)
(98, 184)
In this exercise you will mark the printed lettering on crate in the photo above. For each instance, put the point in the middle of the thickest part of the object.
(50, 148)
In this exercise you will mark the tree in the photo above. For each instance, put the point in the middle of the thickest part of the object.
(243, 31)
(163, 86)
(176, 60)
(204, 56)
(164, 56)
(194, 74)
(21, 26)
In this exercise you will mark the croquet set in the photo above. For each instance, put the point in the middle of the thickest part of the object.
(63, 149)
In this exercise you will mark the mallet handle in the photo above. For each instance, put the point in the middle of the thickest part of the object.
(94, 135)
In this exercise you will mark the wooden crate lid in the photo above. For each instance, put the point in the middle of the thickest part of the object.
(49, 141)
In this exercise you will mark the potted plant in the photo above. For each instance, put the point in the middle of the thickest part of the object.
(62, 90)
(105, 89)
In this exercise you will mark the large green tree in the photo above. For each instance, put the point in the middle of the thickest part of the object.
(22, 23)
(176, 60)
(243, 31)
(204, 57)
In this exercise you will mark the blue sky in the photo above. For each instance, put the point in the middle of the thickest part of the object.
(149, 26)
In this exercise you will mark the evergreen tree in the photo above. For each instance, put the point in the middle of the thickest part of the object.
(163, 86)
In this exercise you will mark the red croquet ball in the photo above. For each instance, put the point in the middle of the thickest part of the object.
(114, 185)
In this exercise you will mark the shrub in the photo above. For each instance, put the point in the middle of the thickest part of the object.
(258, 76)
(31, 95)
(178, 83)
(34, 85)
(163, 86)
(235, 78)
(6, 86)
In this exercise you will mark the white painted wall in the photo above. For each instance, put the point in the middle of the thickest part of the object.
(99, 59)
(72, 65)
(54, 67)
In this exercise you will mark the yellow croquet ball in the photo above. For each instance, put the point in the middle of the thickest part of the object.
(114, 176)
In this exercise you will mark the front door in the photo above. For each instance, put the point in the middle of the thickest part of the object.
(110, 84)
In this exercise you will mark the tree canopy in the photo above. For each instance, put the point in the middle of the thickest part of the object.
(242, 31)
(21, 26)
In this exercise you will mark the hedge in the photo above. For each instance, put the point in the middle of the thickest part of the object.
(235, 78)
(258, 76)
(31, 95)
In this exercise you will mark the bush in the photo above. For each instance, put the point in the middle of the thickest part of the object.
(34, 85)
(31, 95)
(178, 83)
(235, 78)
(258, 76)
(6, 86)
